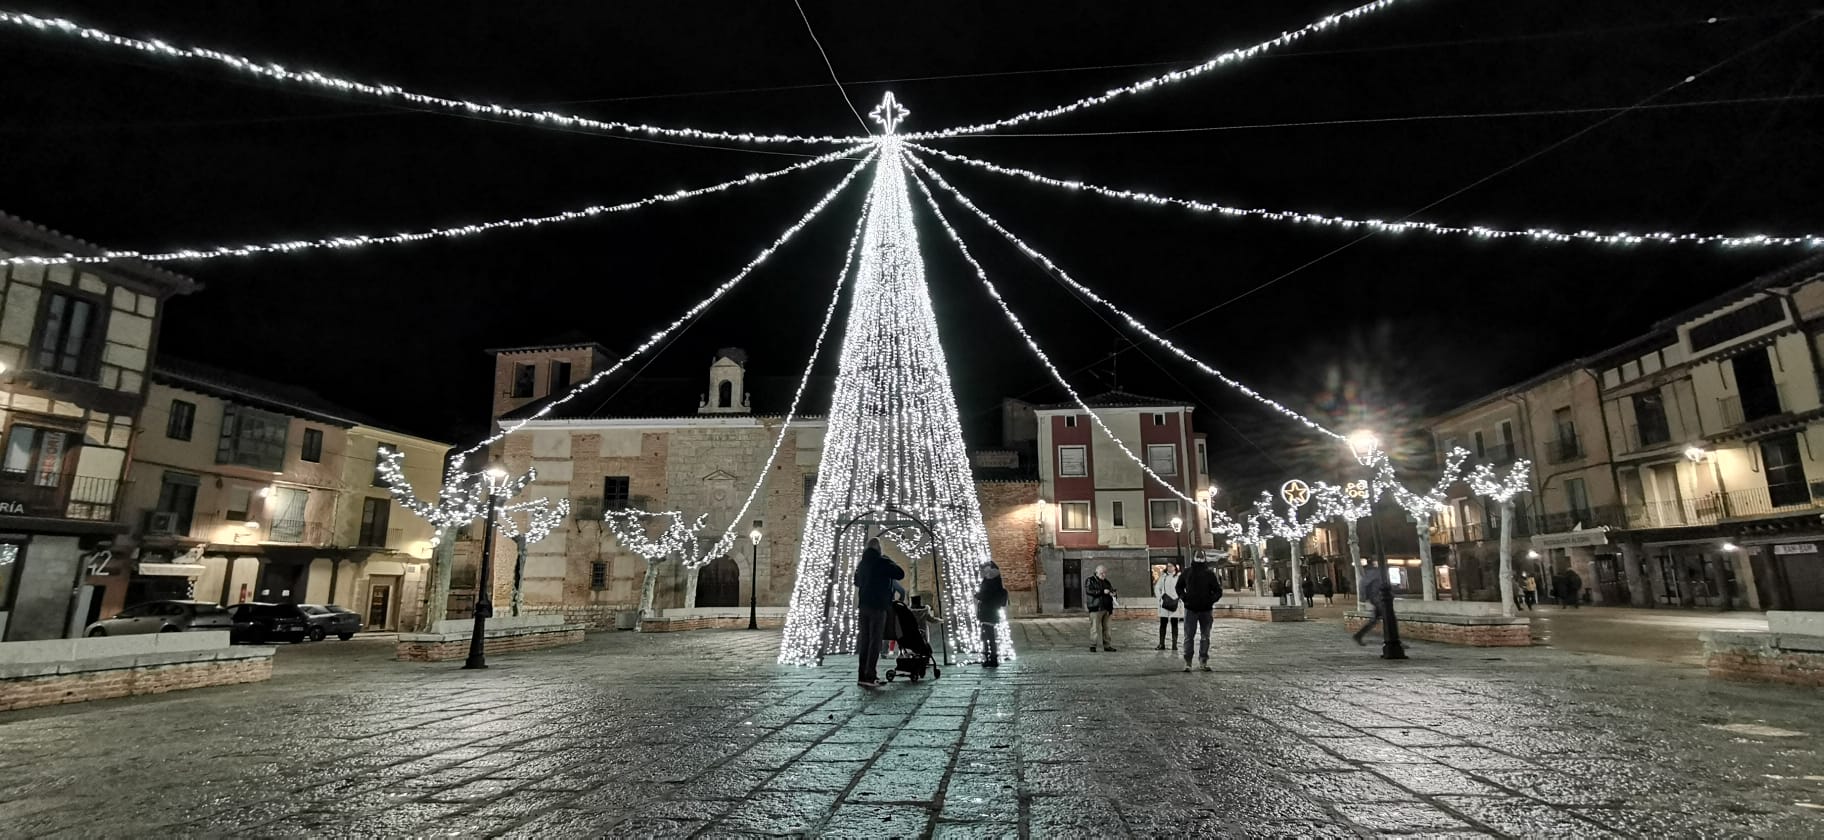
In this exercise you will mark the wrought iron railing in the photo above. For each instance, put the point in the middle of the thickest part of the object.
(71, 497)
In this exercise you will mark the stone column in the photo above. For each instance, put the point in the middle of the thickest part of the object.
(1640, 587)
(1507, 558)
(1296, 570)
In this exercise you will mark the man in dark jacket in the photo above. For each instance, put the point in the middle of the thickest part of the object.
(1373, 587)
(1100, 600)
(990, 605)
(874, 579)
(1198, 590)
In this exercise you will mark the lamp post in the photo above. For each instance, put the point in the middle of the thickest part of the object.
(1366, 446)
(1177, 538)
(753, 582)
(484, 592)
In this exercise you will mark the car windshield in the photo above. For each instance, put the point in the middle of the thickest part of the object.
(314, 610)
(335, 609)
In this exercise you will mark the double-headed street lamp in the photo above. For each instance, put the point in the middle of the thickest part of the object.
(1366, 446)
(753, 582)
(484, 593)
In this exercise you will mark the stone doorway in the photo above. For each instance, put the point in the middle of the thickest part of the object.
(719, 583)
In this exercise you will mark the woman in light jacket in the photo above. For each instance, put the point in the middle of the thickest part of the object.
(1167, 587)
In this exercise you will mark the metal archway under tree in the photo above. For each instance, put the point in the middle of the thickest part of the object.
(887, 520)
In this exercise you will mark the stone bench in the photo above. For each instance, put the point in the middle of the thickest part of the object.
(711, 618)
(505, 634)
(1232, 605)
(58, 671)
(1791, 652)
(1474, 623)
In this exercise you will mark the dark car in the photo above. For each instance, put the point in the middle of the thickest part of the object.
(257, 624)
(331, 620)
(163, 617)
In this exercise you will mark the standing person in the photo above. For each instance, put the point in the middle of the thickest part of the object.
(1529, 589)
(1198, 589)
(990, 603)
(1327, 588)
(874, 578)
(1573, 588)
(1100, 599)
(1309, 591)
(1372, 587)
(1170, 611)
(1560, 588)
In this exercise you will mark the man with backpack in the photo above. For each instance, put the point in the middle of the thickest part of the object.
(1198, 591)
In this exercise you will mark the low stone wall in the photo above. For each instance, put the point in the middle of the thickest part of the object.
(1244, 607)
(1790, 659)
(76, 670)
(711, 618)
(590, 616)
(1453, 623)
(511, 634)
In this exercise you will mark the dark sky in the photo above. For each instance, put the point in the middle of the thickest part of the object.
(142, 153)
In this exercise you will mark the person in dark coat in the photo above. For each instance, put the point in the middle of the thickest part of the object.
(874, 578)
(1573, 588)
(1327, 588)
(1309, 591)
(1373, 587)
(990, 605)
(1198, 591)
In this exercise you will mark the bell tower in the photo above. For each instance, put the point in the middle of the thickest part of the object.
(727, 384)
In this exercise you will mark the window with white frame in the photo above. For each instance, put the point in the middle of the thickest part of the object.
(1073, 516)
(1070, 421)
(1159, 513)
(1162, 458)
(1119, 515)
(1073, 461)
(1158, 419)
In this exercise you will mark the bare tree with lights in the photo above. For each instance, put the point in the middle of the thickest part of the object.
(1503, 491)
(542, 516)
(632, 529)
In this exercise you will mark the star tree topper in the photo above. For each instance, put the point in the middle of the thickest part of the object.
(888, 113)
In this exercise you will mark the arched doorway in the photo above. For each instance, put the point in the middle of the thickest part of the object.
(719, 583)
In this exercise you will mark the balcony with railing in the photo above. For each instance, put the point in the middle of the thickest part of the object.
(1497, 453)
(1640, 437)
(80, 497)
(1565, 449)
(1715, 508)
(1734, 413)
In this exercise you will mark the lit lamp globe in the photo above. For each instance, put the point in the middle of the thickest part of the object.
(1364, 444)
(1177, 524)
(754, 536)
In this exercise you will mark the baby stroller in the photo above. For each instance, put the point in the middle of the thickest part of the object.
(914, 649)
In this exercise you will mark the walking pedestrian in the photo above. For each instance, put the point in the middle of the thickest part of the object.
(1309, 591)
(1100, 599)
(1573, 588)
(874, 577)
(1170, 611)
(1372, 589)
(1530, 589)
(990, 606)
(1560, 588)
(1327, 588)
(1198, 591)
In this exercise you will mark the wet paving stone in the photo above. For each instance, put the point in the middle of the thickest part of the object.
(697, 734)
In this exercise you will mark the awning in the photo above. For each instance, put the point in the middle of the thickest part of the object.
(173, 569)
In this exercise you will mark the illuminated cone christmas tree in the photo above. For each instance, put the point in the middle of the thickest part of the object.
(893, 441)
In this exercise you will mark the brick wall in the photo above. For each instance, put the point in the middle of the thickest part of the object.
(1010, 512)
(591, 616)
(1757, 657)
(679, 625)
(444, 651)
(1474, 635)
(28, 692)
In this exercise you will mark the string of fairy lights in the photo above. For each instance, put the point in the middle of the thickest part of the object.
(893, 439)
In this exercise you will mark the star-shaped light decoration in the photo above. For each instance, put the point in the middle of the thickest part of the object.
(888, 113)
(1296, 493)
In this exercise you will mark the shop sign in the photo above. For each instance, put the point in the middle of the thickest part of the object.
(1572, 539)
(1796, 548)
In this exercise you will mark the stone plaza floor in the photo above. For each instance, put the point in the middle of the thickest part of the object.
(1297, 733)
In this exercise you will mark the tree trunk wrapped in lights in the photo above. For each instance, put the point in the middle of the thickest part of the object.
(1420, 508)
(542, 516)
(630, 528)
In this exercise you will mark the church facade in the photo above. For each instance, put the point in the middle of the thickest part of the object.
(696, 446)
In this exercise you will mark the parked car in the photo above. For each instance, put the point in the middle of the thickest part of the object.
(163, 617)
(257, 624)
(331, 620)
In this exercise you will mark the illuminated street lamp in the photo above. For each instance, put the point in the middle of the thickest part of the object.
(484, 592)
(1367, 447)
(1177, 534)
(753, 582)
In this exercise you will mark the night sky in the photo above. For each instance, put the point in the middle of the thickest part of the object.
(137, 152)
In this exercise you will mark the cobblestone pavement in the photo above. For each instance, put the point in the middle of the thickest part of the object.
(1297, 733)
